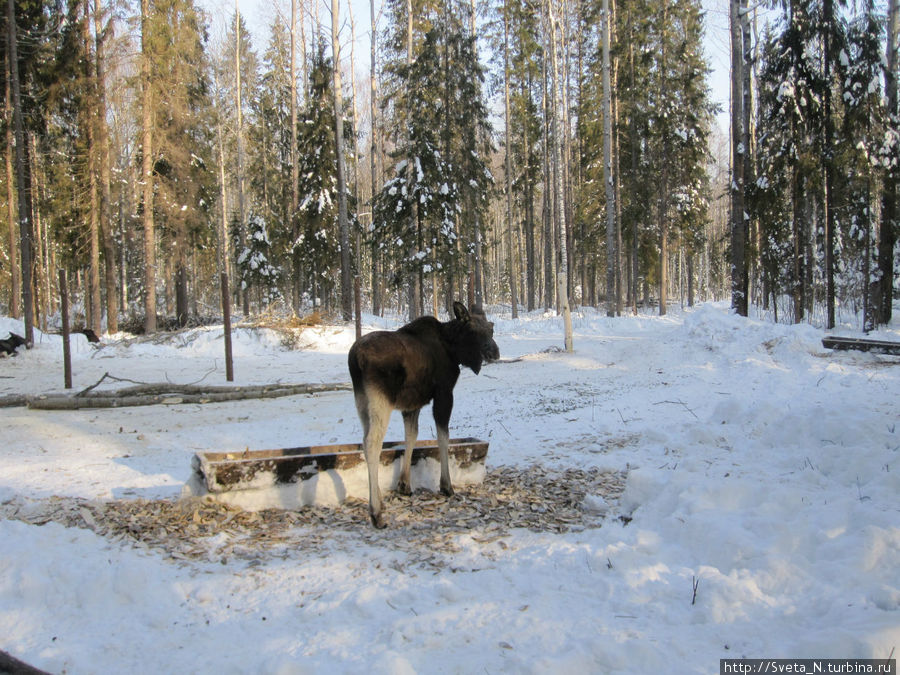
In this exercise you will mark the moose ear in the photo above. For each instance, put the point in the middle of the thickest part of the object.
(460, 311)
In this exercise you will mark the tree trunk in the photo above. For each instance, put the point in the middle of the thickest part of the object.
(888, 231)
(357, 267)
(547, 198)
(222, 239)
(415, 288)
(295, 170)
(26, 236)
(103, 157)
(690, 278)
(238, 104)
(181, 286)
(343, 224)
(44, 301)
(147, 174)
(15, 272)
(617, 175)
(797, 227)
(828, 162)
(90, 114)
(738, 223)
(373, 112)
(747, 141)
(558, 93)
(513, 298)
(612, 296)
(663, 186)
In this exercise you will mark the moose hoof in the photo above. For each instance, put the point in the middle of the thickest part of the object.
(447, 489)
(378, 520)
(404, 489)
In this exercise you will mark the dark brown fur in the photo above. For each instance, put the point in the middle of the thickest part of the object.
(405, 370)
(11, 344)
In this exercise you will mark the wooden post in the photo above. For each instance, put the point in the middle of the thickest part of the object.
(226, 311)
(357, 301)
(67, 353)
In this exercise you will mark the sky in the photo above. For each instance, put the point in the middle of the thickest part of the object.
(259, 15)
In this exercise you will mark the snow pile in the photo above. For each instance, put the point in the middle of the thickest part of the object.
(759, 516)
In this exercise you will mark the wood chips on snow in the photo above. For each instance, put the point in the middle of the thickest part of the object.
(427, 527)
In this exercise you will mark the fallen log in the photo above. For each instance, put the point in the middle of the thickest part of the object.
(13, 401)
(862, 344)
(173, 394)
(10, 664)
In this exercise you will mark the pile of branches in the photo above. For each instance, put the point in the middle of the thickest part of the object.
(426, 526)
(134, 323)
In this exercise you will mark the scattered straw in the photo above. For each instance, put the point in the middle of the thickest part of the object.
(426, 526)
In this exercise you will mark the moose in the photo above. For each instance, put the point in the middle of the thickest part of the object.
(9, 346)
(404, 370)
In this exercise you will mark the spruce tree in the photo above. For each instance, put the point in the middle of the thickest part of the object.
(441, 136)
(258, 272)
(318, 243)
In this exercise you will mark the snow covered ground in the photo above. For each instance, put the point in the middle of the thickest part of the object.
(760, 516)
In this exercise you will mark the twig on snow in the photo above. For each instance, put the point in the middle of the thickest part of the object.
(682, 404)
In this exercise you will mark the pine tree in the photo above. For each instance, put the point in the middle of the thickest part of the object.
(182, 136)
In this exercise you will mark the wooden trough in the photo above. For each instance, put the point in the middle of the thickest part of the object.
(292, 477)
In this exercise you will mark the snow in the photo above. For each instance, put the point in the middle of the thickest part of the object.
(759, 464)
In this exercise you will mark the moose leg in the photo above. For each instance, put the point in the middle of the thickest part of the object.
(411, 427)
(378, 413)
(443, 406)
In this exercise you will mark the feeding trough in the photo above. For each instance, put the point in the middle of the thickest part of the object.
(325, 474)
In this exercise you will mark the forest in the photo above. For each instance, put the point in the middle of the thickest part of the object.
(526, 154)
